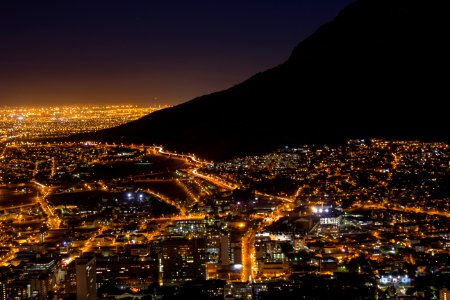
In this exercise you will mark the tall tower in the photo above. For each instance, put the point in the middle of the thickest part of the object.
(86, 278)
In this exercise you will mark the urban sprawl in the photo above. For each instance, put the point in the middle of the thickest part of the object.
(368, 219)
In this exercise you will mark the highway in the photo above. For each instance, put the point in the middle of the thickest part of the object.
(214, 180)
(404, 209)
(188, 156)
(284, 199)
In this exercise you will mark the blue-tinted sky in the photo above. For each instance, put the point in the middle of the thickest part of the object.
(144, 51)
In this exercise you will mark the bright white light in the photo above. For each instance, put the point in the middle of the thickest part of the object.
(320, 210)
(405, 279)
(326, 210)
(129, 195)
(314, 209)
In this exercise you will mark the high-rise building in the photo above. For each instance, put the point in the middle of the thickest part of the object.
(444, 294)
(2, 291)
(225, 250)
(231, 249)
(86, 278)
(182, 259)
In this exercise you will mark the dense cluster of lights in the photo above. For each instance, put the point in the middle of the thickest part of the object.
(226, 220)
(26, 123)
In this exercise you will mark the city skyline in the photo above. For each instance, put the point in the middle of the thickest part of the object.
(145, 53)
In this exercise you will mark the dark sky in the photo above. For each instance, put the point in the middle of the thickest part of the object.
(144, 51)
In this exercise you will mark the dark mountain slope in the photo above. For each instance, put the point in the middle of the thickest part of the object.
(378, 70)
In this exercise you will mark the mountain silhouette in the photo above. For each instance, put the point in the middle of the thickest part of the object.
(378, 70)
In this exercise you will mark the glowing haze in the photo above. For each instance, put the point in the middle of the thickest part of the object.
(144, 52)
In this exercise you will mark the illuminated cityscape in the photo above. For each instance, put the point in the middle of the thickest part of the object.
(365, 219)
(224, 150)
(28, 123)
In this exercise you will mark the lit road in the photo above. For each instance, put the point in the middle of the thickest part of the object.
(2, 155)
(168, 201)
(187, 190)
(248, 255)
(213, 180)
(405, 209)
(17, 206)
(9, 256)
(191, 157)
(285, 199)
(249, 268)
(87, 247)
(52, 220)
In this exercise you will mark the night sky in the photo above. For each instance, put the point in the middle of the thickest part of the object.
(144, 52)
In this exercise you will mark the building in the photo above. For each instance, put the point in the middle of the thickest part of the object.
(18, 289)
(231, 249)
(86, 278)
(182, 259)
(328, 265)
(225, 250)
(329, 219)
(238, 290)
(41, 284)
(2, 290)
(444, 294)
(125, 271)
